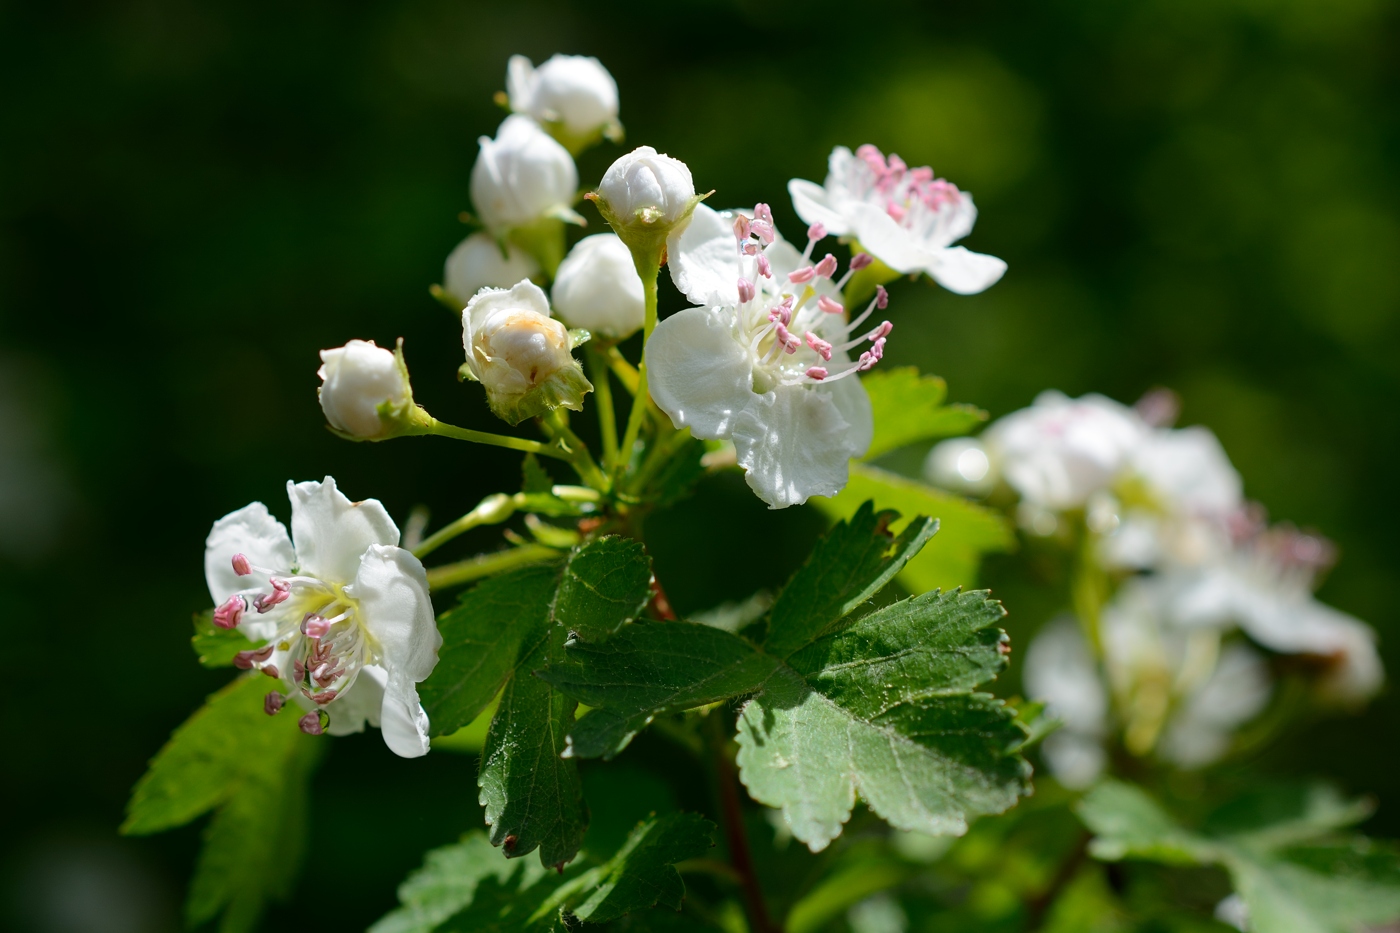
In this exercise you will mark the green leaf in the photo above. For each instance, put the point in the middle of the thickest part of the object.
(851, 564)
(647, 669)
(1294, 870)
(966, 531)
(606, 583)
(534, 477)
(468, 887)
(532, 796)
(485, 638)
(909, 408)
(882, 709)
(254, 769)
(215, 647)
(842, 889)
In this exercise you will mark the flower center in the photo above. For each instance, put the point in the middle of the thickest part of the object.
(793, 325)
(913, 197)
(319, 646)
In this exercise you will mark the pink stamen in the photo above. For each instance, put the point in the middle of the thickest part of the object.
(324, 697)
(782, 312)
(746, 291)
(861, 260)
(272, 703)
(821, 346)
(314, 723)
(817, 372)
(895, 211)
(298, 670)
(805, 274)
(280, 591)
(271, 671)
(741, 228)
(763, 212)
(897, 165)
(830, 305)
(314, 626)
(827, 267)
(816, 232)
(787, 339)
(230, 613)
(882, 297)
(882, 331)
(241, 566)
(244, 660)
(765, 231)
(765, 269)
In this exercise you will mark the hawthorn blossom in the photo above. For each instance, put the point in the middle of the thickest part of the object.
(573, 96)
(1060, 671)
(763, 361)
(597, 288)
(522, 176)
(520, 354)
(906, 218)
(364, 388)
(342, 611)
(479, 262)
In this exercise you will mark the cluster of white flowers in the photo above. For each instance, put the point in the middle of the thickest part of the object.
(1205, 581)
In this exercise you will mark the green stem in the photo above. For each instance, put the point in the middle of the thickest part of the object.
(491, 510)
(485, 565)
(625, 372)
(427, 424)
(657, 457)
(649, 268)
(607, 414)
(557, 424)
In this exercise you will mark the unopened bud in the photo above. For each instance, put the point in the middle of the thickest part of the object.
(597, 288)
(522, 176)
(480, 262)
(572, 96)
(364, 391)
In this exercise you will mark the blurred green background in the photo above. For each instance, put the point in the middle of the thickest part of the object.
(195, 198)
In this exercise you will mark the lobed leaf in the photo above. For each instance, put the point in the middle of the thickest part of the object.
(606, 583)
(909, 408)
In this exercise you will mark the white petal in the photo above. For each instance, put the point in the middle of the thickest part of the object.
(252, 532)
(519, 91)
(793, 443)
(331, 532)
(854, 404)
(704, 258)
(698, 373)
(395, 609)
(964, 272)
(886, 240)
(360, 704)
(815, 206)
(402, 721)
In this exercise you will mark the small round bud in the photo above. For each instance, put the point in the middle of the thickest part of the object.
(478, 262)
(598, 288)
(520, 354)
(573, 96)
(522, 176)
(647, 187)
(356, 381)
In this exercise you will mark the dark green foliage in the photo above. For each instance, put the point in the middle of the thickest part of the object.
(605, 584)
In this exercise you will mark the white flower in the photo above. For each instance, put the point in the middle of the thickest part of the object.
(1060, 670)
(1188, 471)
(906, 218)
(572, 95)
(1060, 451)
(960, 464)
(597, 288)
(646, 188)
(1203, 727)
(364, 389)
(763, 362)
(520, 354)
(344, 611)
(522, 176)
(479, 262)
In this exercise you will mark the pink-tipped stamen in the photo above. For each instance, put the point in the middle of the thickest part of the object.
(765, 268)
(821, 346)
(241, 565)
(280, 591)
(861, 260)
(803, 275)
(315, 626)
(827, 267)
(882, 297)
(314, 723)
(764, 230)
(741, 228)
(231, 612)
(763, 212)
(273, 702)
(747, 291)
(817, 372)
(247, 660)
(816, 232)
(830, 305)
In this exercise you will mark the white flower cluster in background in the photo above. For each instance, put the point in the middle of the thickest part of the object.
(1205, 582)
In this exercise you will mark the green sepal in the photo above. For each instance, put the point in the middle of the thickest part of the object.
(563, 388)
(544, 239)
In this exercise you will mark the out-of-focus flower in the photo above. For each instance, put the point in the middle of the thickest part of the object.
(520, 354)
(480, 262)
(521, 177)
(763, 361)
(572, 96)
(906, 218)
(960, 464)
(1060, 451)
(1060, 670)
(344, 611)
(364, 391)
(597, 288)
(1204, 725)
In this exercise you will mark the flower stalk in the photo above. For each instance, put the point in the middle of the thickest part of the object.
(485, 565)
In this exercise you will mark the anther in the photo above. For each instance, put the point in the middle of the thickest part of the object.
(787, 339)
(765, 268)
(272, 703)
(244, 660)
(314, 722)
(830, 305)
(882, 297)
(764, 230)
(241, 565)
(230, 613)
(895, 211)
(861, 260)
(817, 372)
(280, 591)
(746, 291)
(324, 697)
(314, 626)
(880, 332)
(816, 232)
(821, 346)
(827, 267)
(271, 671)
(763, 212)
(741, 228)
(805, 274)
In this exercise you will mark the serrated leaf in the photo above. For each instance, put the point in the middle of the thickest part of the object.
(485, 638)
(215, 647)
(647, 669)
(533, 476)
(909, 408)
(532, 796)
(678, 476)
(849, 565)
(606, 583)
(469, 887)
(254, 769)
(882, 708)
(966, 531)
(1295, 873)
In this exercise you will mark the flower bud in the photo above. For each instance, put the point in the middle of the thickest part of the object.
(572, 96)
(364, 392)
(647, 197)
(479, 261)
(520, 354)
(522, 176)
(597, 287)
